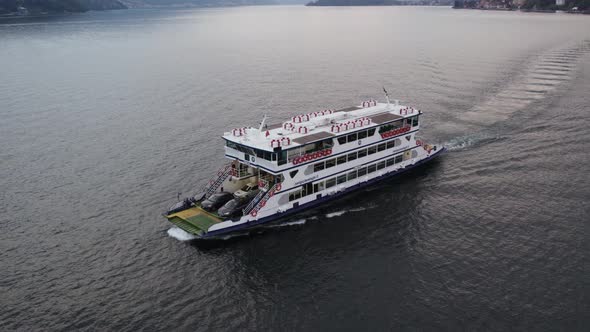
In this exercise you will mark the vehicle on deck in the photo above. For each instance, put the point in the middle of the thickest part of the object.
(249, 190)
(216, 201)
(233, 208)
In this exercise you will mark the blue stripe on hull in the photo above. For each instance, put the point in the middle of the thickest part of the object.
(316, 202)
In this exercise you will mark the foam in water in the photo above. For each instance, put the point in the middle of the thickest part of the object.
(466, 141)
(335, 214)
(289, 223)
(180, 235)
(339, 213)
(233, 235)
(540, 77)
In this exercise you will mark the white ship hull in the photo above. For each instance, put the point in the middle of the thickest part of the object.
(247, 222)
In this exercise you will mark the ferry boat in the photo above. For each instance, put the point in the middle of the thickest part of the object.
(279, 169)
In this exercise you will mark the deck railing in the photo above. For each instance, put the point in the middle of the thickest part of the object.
(217, 180)
(260, 200)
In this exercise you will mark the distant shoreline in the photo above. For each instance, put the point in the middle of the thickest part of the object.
(546, 11)
(367, 3)
(22, 17)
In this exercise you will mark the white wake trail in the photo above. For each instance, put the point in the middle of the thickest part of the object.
(180, 235)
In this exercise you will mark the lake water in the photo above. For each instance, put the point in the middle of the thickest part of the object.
(105, 116)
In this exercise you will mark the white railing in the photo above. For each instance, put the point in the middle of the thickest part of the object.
(260, 200)
(216, 181)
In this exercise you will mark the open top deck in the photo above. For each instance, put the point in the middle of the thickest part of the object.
(311, 127)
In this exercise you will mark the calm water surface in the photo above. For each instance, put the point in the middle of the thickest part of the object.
(104, 117)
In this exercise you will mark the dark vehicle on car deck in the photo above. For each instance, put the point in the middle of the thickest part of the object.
(216, 201)
(233, 208)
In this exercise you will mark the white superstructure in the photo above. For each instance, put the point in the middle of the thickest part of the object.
(315, 156)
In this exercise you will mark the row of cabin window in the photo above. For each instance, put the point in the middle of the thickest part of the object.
(285, 156)
(409, 122)
(308, 148)
(310, 188)
(354, 155)
(354, 136)
(413, 121)
(248, 152)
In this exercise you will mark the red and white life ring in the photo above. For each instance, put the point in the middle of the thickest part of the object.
(275, 143)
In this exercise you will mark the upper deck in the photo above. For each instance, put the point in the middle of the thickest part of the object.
(313, 127)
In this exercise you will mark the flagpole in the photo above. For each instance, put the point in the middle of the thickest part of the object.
(262, 123)
(387, 97)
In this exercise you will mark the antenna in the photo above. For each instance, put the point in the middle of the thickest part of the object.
(262, 123)
(387, 97)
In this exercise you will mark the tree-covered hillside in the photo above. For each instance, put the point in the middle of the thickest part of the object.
(59, 6)
(579, 5)
(380, 3)
(201, 3)
(354, 3)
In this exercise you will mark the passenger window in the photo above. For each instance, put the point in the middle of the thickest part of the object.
(398, 159)
(390, 162)
(414, 121)
(372, 149)
(381, 165)
(304, 192)
(351, 137)
(295, 195)
(330, 182)
(362, 171)
(342, 140)
(371, 132)
(330, 163)
(307, 189)
(352, 175)
(362, 153)
(390, 144)
(371, 168)
(342, 179)
(362, 134)
(293, 173)
(341, 160)
(318, 167)
(381, 147)
(351, 156)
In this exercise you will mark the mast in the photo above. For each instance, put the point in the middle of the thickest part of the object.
(262, 123)
(387, 97)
